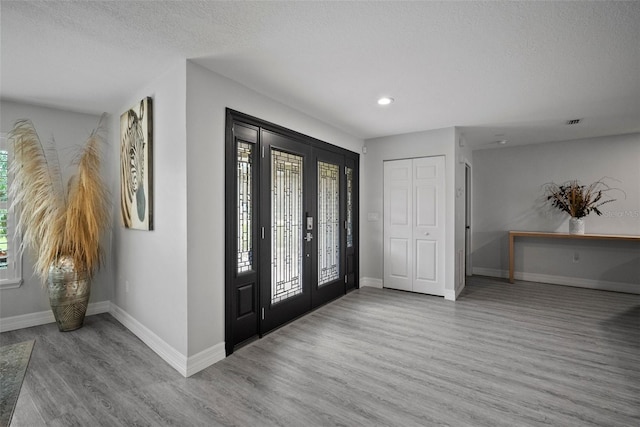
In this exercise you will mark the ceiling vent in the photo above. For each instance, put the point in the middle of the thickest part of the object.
(573, 121)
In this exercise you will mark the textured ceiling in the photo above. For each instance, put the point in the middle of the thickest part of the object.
(500, 70)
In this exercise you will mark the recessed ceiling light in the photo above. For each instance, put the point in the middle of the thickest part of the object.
(502, 142)
(385, 100)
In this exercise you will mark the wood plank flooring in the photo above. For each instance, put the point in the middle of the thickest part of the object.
(526, 354)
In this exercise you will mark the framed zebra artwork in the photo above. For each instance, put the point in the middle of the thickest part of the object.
(136, 166)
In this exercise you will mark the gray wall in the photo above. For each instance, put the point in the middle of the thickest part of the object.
(70, 130)
(507, 184)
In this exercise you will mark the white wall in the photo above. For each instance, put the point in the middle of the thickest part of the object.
(154, 263)
(507, 196)
(70, 130)
(208, 94)
(412, 145)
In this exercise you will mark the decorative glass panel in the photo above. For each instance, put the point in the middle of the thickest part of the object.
(349, 207)
(245, 214)
(328, 222)
(4, 247)
(4, 237)
(286, 229)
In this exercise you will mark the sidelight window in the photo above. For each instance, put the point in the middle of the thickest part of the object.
(245, 214)
(349, 173)
(328, 222)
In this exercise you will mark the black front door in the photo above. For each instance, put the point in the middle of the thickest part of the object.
(302, 208)
(285, 208)
(328, 203)
(291, 220)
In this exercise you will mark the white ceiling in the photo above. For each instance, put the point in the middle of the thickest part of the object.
(500, 70)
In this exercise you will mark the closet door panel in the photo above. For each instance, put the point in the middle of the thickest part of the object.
(428, 225)
(398, 208)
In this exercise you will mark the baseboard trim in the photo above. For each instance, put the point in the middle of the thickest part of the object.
(603, 285)
(371, 282)
(450, 294)
(490, 272)
(43, 317)
(173, 357)
(185, 366)
(453, 294)
(205, 358)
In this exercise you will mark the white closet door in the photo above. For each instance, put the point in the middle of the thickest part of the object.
(428, 225)
(398, 244)
(414, 216)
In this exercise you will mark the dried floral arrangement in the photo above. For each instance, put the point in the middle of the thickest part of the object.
(576, 199)
(57, 221)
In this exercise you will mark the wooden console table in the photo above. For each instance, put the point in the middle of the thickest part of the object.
(514, 234)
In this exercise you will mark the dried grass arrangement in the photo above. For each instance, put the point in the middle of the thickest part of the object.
(57, 221)
(576, 199)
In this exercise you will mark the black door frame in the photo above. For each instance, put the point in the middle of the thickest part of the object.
(243, 314)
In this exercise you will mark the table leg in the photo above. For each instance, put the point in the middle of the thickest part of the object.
(511, 238)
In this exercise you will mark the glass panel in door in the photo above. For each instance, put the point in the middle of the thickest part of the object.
(286, 225)
(286, 240)
(327, 281)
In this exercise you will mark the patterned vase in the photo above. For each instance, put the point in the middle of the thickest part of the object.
(69, 292)
(576, 226)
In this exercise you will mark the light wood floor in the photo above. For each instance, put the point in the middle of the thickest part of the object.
(502, 355)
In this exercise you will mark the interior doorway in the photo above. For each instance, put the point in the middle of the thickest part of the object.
(467, 220)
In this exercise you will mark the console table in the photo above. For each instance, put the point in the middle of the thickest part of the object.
(543, 234)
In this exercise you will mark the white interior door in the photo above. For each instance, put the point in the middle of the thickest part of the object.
(414, 208)
(428, 225)
(398, 200)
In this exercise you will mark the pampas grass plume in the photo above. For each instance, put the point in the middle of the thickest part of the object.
(54, 224)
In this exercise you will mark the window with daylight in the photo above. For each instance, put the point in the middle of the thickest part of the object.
(10, 259)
